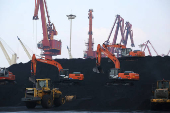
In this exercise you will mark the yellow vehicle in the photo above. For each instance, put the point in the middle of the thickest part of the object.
(161, 95)
(42, 94)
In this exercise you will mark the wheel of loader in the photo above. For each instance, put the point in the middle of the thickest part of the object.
(59, 101)
(30, 105)
(47, 101)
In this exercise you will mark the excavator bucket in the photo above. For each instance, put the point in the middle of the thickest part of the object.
(98, 69)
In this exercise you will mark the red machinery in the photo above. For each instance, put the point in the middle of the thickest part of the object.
(6, 76)
(90, 53)
(146, 45)
(114, 72)
(49, 46)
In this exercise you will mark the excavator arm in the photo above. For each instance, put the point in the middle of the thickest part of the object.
(48, 61)
(112, 57)
(114, 72)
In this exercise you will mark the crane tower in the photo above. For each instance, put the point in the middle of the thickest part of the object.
(89, 53)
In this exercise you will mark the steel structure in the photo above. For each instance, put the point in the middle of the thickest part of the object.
(124, 34)
(146, 46)
(48, 45)
(89, 53)
(12, 60)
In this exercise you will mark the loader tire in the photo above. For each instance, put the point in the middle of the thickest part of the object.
(47, 101)
(30, 105)
(59, 101)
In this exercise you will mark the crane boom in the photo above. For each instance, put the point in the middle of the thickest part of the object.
(29, 56)
(5, 53)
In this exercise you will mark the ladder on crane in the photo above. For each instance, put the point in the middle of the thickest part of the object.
(12, 60)
(25, 49)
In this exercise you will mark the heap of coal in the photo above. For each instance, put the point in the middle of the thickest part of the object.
(93, 93)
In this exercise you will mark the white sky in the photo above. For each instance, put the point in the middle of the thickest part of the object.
(149, 19)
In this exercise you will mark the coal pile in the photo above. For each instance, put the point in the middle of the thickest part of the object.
(92, 93)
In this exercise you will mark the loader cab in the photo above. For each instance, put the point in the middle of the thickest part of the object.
(125, 52)
(113, 73)
(43, 83)
(163, 84)
(64, 73)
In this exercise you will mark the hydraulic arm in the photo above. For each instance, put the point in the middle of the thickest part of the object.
(114, 72)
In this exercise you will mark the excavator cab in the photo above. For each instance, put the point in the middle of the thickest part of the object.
(64, 73)
(125, 52)
(6, 76)
(113, 73)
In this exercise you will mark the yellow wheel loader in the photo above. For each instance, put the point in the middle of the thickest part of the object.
(42, 94)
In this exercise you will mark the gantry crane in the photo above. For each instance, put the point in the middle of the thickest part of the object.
(48, 45)
(124, 34)
(25, 49)
(12, 60)
(146, 45)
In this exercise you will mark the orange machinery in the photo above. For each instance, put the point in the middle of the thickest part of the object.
(114, 72)
(127, 52)
(6, 76)
(63, 73)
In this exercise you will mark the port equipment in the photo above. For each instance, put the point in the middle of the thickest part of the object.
(43, 94)
(12, 60)
(6, 76)
(63, 73)
(146, 46)
(161, 95)
(48, 45)
(124, 34)
(115, 73)
(127, 52)
(25, 49)
(89, 53)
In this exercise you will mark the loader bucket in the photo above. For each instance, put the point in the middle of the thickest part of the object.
(98, 69)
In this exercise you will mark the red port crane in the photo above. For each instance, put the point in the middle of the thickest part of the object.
(48, 45)
(146, 45)
(89, 53)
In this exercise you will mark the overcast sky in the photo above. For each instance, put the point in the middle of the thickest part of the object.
(149, 19)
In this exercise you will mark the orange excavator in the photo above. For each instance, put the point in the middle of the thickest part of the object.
(127, 52)
(63, 73)
(6, 76)
(115, 73)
